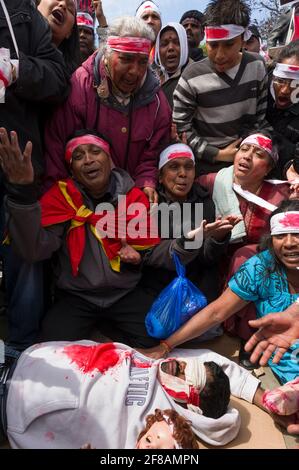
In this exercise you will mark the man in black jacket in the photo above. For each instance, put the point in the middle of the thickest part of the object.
(278, 35)
(35, 74)
(193, 22)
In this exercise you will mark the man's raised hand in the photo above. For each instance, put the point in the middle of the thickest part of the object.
(17, 166)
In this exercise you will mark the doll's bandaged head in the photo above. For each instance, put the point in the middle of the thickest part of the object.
(188, 390)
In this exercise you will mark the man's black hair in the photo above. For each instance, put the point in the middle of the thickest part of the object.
(81, 132)
(215, 396)
(196, 14)
(219, 12)
(255, 31)
(291, 50)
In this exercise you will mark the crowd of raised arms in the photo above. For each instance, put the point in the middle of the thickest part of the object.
(103, 126)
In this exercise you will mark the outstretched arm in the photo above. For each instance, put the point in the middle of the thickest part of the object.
(276, 333)
(216, 312)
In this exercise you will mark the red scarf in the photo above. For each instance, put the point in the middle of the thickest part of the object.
(64, 202)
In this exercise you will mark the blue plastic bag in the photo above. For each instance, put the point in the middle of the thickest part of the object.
(178, 302)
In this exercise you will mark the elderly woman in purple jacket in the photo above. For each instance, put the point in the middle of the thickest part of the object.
(116, 92)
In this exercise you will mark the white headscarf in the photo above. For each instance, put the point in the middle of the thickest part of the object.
(182, 35)
(188, 390)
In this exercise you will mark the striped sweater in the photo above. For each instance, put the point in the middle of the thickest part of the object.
(214, 109)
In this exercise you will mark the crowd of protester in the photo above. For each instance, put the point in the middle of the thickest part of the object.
(92, 113)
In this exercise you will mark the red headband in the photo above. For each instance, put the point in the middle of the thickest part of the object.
(225, 32)
(131, 45)
(83, 140)
(174, 155)
(84, 20)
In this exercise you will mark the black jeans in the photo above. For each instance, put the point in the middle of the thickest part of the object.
(72, 318)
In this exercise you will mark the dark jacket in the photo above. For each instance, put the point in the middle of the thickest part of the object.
(278, 34)
(42, 75)
(96, 281)
(202, 269)
(196, 54)
(169, 86)
(285, 123)
(138, 131)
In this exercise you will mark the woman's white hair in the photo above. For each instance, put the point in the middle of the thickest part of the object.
(128, 26)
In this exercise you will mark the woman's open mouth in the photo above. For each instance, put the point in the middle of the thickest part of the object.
(58, 16)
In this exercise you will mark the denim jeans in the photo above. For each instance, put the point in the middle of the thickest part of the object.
(24, 287)
(25, 294)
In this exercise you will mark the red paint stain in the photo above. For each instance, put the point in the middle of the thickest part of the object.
(90, 358)
(265, 143)
(50, 436)
(290, 220)
(141, 365)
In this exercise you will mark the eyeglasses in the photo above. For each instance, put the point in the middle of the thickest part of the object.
(286, 82)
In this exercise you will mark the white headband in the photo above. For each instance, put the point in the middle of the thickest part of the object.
(263, 142)
(226, 32)
(147, 6)
(290, 72)
(188, 390)
(175, 151)
(184, 49)
(285, 222)
(171, 428)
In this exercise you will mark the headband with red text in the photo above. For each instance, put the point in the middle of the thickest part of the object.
(130, 45)
(84, 20)
(263, 142)
(175, 151)
(146, 7)
(290, 72)
(226, 32)
(85, 140)
(285, 222)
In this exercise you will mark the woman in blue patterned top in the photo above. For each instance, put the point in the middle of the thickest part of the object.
(270, 280)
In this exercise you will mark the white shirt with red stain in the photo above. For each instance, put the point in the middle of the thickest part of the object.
(63, 395)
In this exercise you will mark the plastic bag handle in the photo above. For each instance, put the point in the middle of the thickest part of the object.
(180, 268)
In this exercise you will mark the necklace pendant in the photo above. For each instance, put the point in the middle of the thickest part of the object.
(103, 89)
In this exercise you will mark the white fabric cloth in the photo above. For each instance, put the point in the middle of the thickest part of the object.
(225, 32)
(259, 201)
(226, 201)
(285, 222)
(184, 50)
(287, 71)
(264, 143)
(58, 399)
(175, 151)
(5, 72)
(147, 6)
(188, 390)
(171, 428)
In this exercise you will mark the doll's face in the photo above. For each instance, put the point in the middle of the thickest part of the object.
(157, 437)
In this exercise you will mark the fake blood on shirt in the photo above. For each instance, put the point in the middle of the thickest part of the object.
(91, 358)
